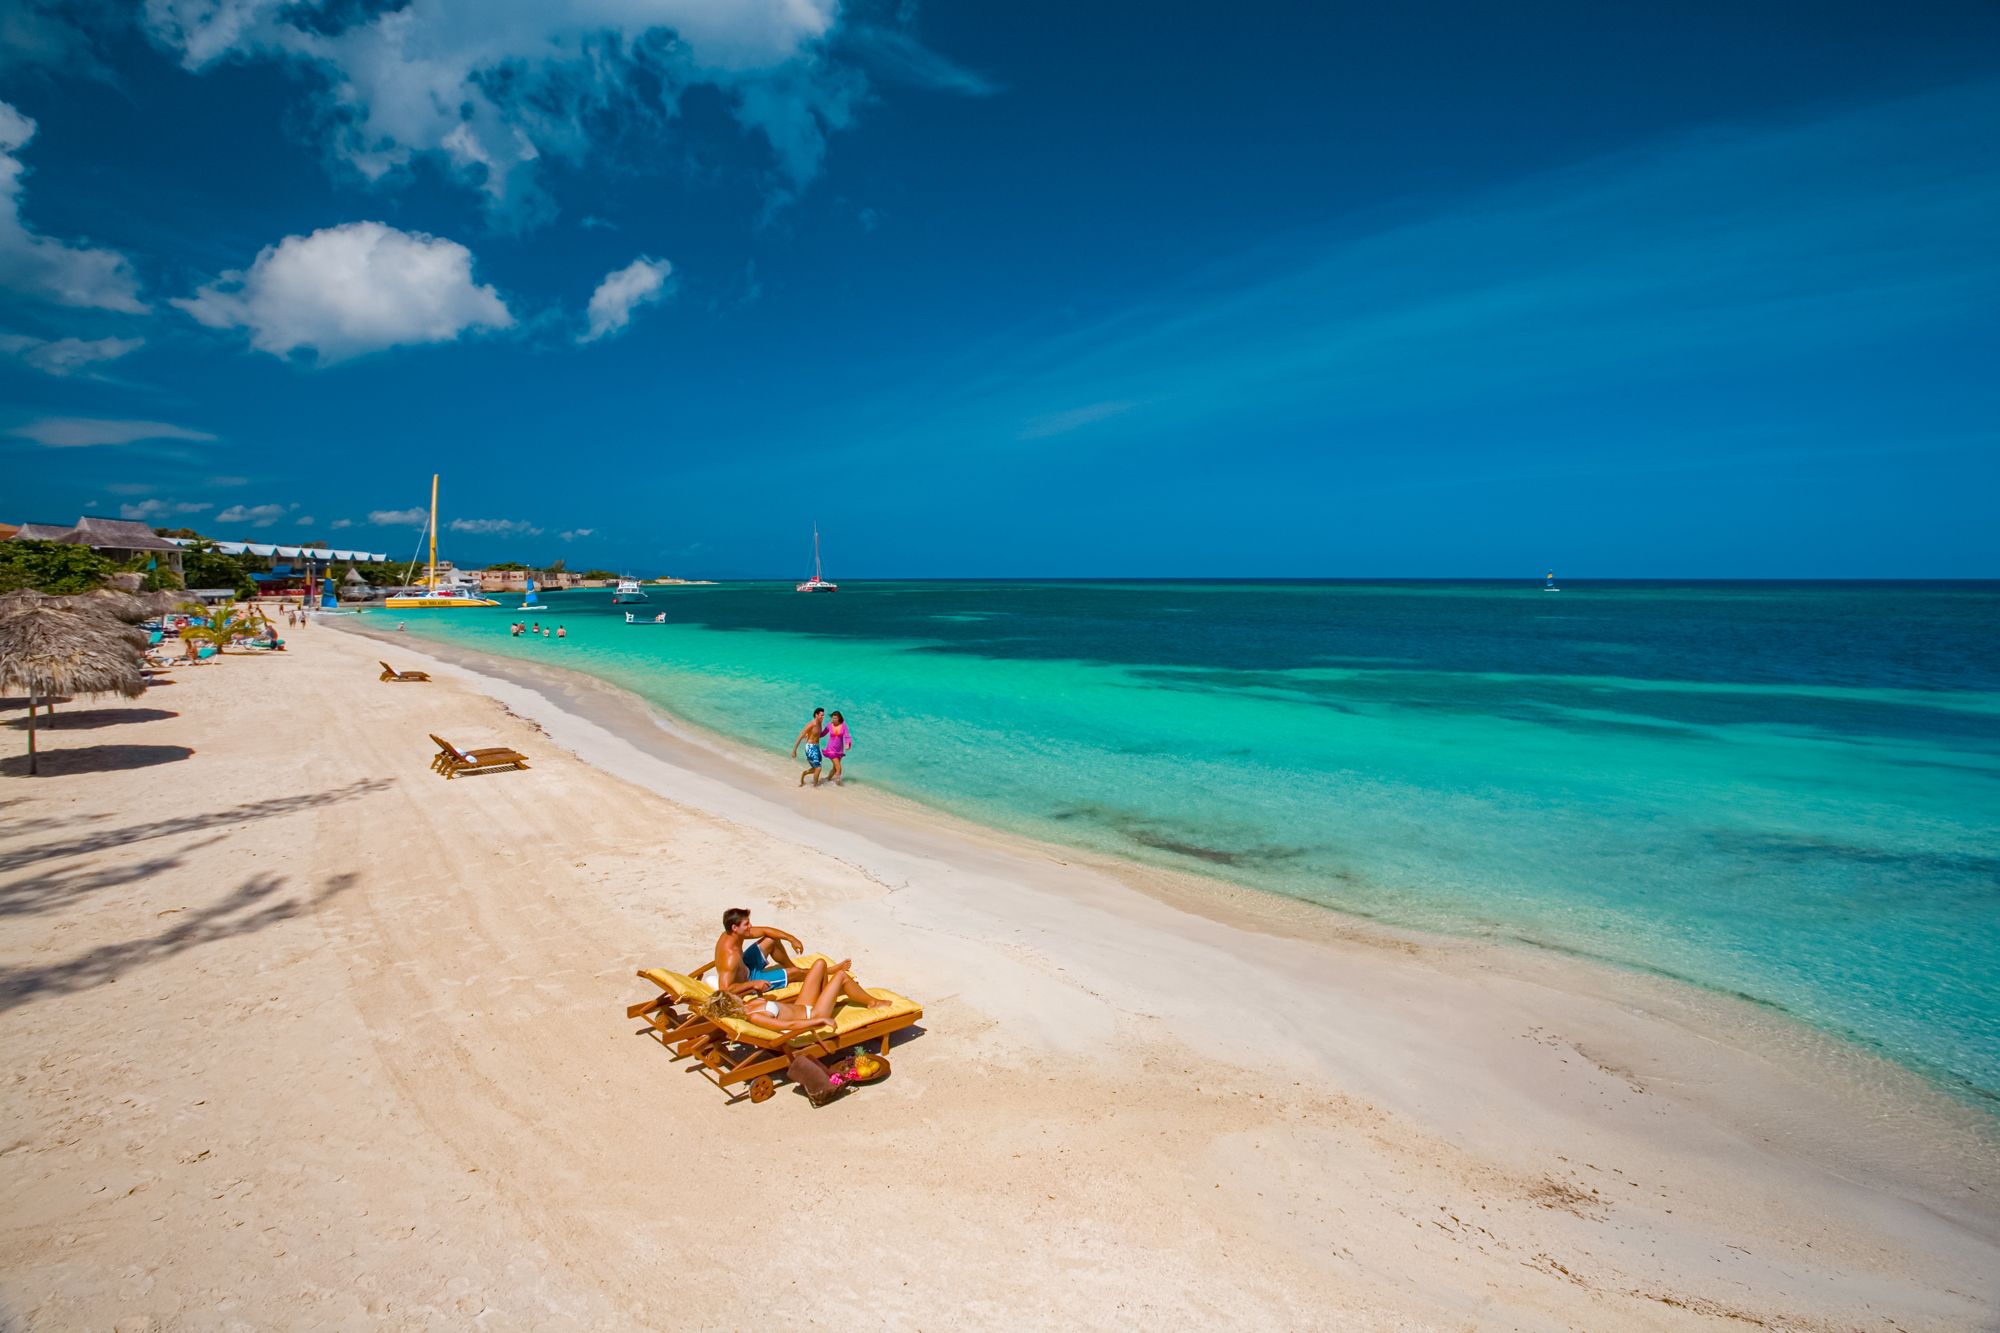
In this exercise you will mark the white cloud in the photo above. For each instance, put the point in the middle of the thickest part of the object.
(355, 288)
(76, 432)
(506, 527)
(399, 518)
(66, 356)
(257, 516)
(895, 54)
(229, 481)
(305, 522)
(147, 510)
(340, 523)
(641, 282)
(494, 87)
(42, 266)
(1061, 423)
(574, 533)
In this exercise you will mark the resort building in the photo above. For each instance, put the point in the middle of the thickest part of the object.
(113, 538)
(516, 580)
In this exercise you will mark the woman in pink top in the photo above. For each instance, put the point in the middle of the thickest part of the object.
(836, 743)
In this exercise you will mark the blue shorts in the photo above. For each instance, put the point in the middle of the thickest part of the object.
(812, 756)
(759, 970)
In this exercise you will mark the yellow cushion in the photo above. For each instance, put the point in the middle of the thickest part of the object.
(682, 987)
(847, 1019)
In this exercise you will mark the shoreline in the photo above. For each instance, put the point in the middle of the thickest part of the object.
(1766, 1027)
(619, 731)
(269, 983)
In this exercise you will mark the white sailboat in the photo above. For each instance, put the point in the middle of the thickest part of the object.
(817, 583)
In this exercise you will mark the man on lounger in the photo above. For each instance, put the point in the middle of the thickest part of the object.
(751, 959)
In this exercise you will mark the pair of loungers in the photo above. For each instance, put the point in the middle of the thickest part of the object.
(390, 673)
(733, 1052)
(453, 762)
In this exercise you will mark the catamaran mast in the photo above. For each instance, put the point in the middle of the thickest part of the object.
(433, 582)
(815, 553)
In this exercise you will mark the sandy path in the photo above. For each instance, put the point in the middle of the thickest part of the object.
(300, 1035)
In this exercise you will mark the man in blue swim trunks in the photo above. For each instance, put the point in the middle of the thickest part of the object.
(752, 959)
(809, 737)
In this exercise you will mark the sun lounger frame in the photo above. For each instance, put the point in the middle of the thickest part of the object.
(390, 673)
(453, 762)
(675, 1022)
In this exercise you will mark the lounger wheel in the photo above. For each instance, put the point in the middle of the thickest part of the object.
(762, 1089)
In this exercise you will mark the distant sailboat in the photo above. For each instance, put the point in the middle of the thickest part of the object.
(1550, 586)
(529, 603)
(817, 583)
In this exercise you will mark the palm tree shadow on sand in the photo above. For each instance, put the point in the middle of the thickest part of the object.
(229, 816)
(254, 905)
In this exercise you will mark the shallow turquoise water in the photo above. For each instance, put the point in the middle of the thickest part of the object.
(1790, 792)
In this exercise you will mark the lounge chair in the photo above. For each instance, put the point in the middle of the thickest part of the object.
(390, 673)
(454, 762)
(675, 1019)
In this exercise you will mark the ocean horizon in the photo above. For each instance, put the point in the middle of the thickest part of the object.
(1782, 790)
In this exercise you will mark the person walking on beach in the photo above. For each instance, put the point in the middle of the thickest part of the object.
(809, 737)
(836, 745)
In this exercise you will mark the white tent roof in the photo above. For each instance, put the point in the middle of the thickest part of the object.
(287, 552)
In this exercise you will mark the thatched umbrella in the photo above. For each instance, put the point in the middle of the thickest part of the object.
(22, 598)
(126, 606)
(107, 608)
(50, 649)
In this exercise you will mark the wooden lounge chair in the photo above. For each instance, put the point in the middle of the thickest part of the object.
(736, 1051)
(390, 673)
(454, 762)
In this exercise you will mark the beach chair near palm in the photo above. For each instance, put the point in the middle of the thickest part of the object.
(734, 1052)
(390, 673)
(454, 762)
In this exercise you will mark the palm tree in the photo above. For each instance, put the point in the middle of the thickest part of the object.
(222, 627)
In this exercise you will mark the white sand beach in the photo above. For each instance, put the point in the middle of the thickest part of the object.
(298, 1034)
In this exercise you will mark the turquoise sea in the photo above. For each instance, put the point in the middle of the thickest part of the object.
(1789, 792)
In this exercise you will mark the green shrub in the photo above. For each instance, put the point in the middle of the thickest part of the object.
(54, 567)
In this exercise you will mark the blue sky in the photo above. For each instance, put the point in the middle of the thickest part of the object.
(1013, 289)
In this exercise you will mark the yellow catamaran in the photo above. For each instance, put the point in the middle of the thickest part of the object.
(437, 594)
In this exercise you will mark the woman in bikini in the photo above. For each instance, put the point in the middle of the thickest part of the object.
(818, 995)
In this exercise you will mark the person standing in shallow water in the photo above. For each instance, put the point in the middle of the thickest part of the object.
(837, 743)
(809, 737)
